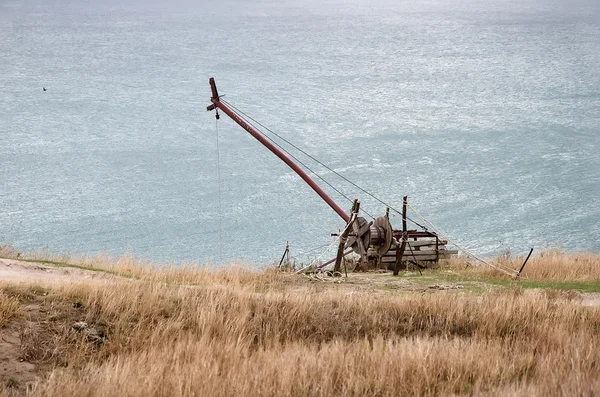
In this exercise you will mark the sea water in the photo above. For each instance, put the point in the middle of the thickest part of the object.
(485, 113)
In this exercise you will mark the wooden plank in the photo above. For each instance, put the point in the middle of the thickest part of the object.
(400, 249)
(391, 259)
(422, 250)
(421, 234)
(417, 253)
(421, 247)
(424, 253)
(344, 237)
(392, 252)
(420, 243)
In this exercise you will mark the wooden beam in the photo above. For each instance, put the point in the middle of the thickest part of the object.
(407, 257)
(344, 236)
(424, 243)
(400, 250)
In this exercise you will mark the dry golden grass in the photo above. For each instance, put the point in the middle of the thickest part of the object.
(248, 338)
(130, 267)
(386, 366)
(168, 331)
(9, 308)
(550, 265)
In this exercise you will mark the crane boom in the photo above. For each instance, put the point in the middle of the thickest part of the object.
(217, 104)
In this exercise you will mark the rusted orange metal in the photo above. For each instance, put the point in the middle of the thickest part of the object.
(217, 104)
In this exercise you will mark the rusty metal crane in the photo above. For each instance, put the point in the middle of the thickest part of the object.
(371, 240)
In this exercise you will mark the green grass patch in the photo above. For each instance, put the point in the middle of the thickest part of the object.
(476, 284)
(435, 276)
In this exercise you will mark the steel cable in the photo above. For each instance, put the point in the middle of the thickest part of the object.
(505, 269)
(220, 204)
(322, 164)
(257, 123)
(294, 157)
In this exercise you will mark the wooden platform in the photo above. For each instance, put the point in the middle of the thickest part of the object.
(423, 250)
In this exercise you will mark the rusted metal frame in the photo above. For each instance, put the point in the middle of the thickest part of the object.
(262, 139)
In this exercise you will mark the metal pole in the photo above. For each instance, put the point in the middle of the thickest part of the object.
(262, 139)
(524, 263)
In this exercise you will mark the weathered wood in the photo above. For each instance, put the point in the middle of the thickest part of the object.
(417, 253)
(420, 243)
(419, 246)
(441, 252)
(285, 252)
(524, 263)
(329, 262)
(428, 250)
(360, 237)
(416, 234)
(400, 250)
(408, 257)
(344, 237)
(418, 266)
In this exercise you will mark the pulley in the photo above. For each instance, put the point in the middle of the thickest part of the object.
(381, 235)
(376, 235)
(360, 238)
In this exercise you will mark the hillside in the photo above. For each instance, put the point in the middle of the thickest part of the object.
(101, 327)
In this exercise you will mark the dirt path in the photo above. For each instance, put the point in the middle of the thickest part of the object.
(15, 372)
(15, 271)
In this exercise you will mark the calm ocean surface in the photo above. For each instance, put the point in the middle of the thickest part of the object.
(485, 113)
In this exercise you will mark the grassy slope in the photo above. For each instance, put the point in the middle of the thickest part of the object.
(191, 331)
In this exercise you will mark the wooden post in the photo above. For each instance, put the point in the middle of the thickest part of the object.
(524, 263)
(404, 204)
(400, 251)
(344, 237)
(285, 252)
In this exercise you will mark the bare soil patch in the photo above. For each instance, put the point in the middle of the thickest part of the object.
(15, 372)
(16, 271)
(28, 343)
